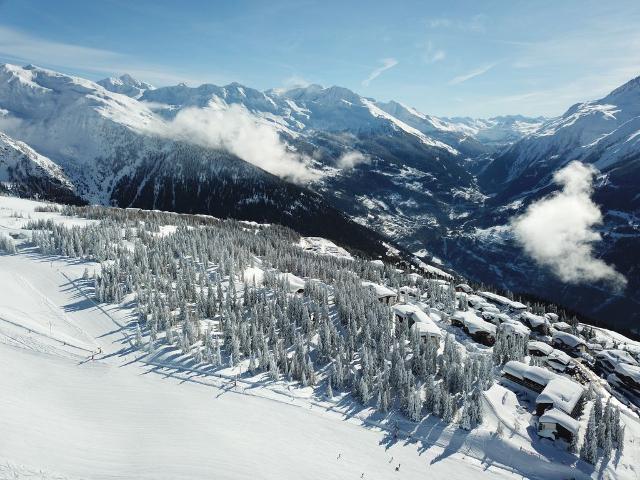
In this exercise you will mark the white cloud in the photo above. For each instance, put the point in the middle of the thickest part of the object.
(351, 158)
(236, 130)
(557, 231)
(387, 63)
(432, 54)
(472, 74)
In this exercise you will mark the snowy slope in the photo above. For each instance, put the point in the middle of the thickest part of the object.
(25, 172)
(123, 416)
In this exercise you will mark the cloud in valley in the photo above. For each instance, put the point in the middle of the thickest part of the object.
(350, 159)
(558, 230)
(236, 130)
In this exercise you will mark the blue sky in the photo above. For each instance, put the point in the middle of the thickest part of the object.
(455, 58)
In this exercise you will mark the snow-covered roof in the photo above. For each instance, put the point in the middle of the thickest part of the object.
(427, 328)
(521, 370)
(562, 326)
(552, 317)
(379, 263)
(533, 320)
(414, 276)
(476, 324)
(515, 327)
(540, 346)
(295, 283)
(503, 300)
(381, 290)
(559, 356)
(557, 416)
(562, 393)
(632, 371)
(464, 287)
(568, 339)
(615, 356)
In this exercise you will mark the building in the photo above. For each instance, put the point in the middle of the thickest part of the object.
(295, 284)
(539, 349)
(556, 359)
(385, 295)
(480, 330)
(556, 424)
(418, 320)
(464, 288)
(606, 360)
(572, 344)
(555, 391)
(536, 323)
(629, 376)
(504, 301)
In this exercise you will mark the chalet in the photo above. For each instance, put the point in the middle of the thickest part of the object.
(481, 331)
(560, 361)
(562, 326)
(415, 318)
(385, 295)
(555, 391)
(414, 277)
(428, 331)
(556, 424)
(407, 293)
(294, 284)
(629, 376)
(606, 360)
(572, 344)
(511, 327)
(503, 301)
(536, 323)
(539, 349)
(552, 317)
(464, 288)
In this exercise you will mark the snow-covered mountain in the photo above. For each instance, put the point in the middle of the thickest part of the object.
(126, 84)
(25, 172)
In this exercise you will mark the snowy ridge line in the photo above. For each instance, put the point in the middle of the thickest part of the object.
(50, 337)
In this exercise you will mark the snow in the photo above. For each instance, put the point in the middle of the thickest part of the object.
(423, 322)
(295, 283)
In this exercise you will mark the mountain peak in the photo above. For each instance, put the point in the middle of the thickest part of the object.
(632, 87)
(126, 85)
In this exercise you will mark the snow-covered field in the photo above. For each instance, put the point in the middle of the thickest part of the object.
(64, 415)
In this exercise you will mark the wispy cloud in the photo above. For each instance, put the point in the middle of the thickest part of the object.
(387, 63)
(472, 74)
(20, 47)
(433, 54)
(476, 23)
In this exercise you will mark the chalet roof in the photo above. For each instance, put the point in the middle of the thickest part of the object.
(632, 371)
(559, 356)
(568, 339)
(464, 287)
(533, 320)
(503, 300)
(427, 328)
(562, 393)
(553, 317)
(515, 327)
(558, 417)
(540, 346)
(615, 356)
(561, 326)
(380, 290)
(295, 283)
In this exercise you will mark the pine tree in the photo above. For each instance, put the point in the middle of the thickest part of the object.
(589, 450)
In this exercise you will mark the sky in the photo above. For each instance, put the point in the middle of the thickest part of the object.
(455, 58)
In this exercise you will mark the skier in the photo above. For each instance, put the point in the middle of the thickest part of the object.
(398, 468)
(339, 455)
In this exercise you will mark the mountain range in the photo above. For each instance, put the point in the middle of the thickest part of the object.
(375, 176)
